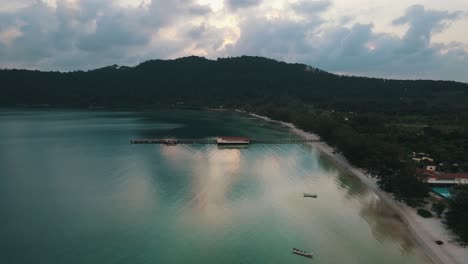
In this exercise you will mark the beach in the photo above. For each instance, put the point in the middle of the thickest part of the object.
(424, 230)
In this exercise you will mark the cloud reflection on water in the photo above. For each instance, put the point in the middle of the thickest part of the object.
(279, 180)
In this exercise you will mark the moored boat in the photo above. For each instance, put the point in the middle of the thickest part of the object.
(310, 195)
(302, 253)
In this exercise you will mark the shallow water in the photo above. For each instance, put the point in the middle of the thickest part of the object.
(75, 191)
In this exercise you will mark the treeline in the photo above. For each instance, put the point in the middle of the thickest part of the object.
(229, 82)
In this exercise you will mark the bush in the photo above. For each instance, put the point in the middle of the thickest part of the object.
(438, 208)
(424, 213)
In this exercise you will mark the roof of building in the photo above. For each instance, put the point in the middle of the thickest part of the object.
(443, 175)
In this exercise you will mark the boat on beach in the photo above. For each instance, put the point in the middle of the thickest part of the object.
(302, 253)
(310, 195)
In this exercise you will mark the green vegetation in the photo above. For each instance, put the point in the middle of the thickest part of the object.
(424, 213)
(375, 123)
(458, 214)
(438, 208)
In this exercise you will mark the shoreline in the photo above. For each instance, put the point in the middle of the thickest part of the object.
(425, 231)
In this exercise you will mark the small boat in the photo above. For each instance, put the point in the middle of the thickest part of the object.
(310, 195)
(302, 253)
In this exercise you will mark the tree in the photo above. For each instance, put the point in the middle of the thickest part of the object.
(408, 186)
(458, 214)
(424, 213)
(438, 208)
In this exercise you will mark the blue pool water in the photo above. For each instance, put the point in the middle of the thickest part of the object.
(443, 191)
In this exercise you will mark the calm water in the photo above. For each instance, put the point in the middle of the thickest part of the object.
(73, 190)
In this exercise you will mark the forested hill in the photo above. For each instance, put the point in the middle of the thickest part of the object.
(229, 82)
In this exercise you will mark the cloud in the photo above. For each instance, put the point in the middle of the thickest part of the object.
(423, 23)
(310, 7)
(358, 49)
(206, 40)
(8, 35)
(163, 12)
(272, 38)
(199, 10)
(236, 4)
(53, 36)
(84, 34)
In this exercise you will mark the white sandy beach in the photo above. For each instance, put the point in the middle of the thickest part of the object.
(425, 230)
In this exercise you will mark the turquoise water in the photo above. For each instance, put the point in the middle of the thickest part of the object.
(73, 190)
(445, 192)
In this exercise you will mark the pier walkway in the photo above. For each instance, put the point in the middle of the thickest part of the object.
(174, 141)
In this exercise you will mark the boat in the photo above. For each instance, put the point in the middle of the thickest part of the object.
(233, 141)
(310, 195)
(302, 253)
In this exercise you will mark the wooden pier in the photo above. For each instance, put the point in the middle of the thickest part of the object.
(174, 141)
(283, 141)
(171, 141)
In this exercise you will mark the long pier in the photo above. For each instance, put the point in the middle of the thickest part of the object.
(172, 141)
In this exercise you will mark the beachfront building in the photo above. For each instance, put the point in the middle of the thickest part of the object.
(435, 178)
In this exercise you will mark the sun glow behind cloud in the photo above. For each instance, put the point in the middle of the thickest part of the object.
(337, 35)
(216, 5)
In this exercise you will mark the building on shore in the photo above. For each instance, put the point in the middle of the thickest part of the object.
(435, 178)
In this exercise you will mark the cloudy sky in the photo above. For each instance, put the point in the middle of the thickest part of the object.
(387, 38)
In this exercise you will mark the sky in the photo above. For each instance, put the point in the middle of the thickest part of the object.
(425, 39)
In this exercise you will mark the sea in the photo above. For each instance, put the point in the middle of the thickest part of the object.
(74, 190)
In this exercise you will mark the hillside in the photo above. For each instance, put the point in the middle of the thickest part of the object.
(230, 82)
